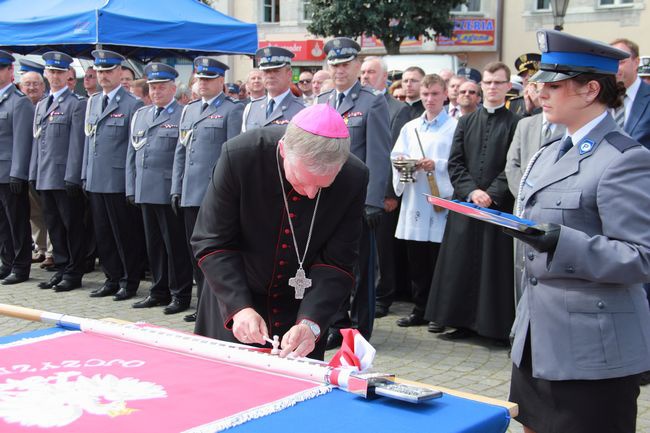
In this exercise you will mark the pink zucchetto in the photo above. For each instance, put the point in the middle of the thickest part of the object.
(323, 120)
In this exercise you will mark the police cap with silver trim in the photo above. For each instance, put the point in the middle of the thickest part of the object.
(6, 59)
(207, 67)
(528, 62)
(470, 74)
(29, 66)
(232, 88)
(57, 60)
(565, 56)
(273, 57)
(159, 72)
(341, 50)
(644, 66)
(106, 60)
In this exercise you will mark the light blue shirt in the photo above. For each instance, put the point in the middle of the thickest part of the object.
(435, 124)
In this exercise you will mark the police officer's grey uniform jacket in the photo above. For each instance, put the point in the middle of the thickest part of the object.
(57, 154)
(107, 138)
(199, 147)
(366, 115)
(150, 155)
(16, 116)
(584, 305)
(282, 113)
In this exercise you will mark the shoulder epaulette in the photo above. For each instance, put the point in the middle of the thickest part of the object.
(144, 107)
(19, 92)
(325, 93)
(368, 90)
(621, 141)
(194, 101)
(233, 100)
(79, 97)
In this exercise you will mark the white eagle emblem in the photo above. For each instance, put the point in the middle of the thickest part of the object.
(63, 398)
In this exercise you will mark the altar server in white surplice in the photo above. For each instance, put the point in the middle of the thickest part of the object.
(428, 139)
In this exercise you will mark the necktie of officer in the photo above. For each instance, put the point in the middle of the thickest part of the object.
(204, 107)
(339, 100)
(270, 108)
(104, 102)
(619, 114)
(547, 132)
(452, 112)
(566, 145)
(158, 111)
(50, 99)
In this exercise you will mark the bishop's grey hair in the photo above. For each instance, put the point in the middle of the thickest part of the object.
(320, 155)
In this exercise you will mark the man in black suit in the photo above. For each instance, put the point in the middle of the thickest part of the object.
(374, 73)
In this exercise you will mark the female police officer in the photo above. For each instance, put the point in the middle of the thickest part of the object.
(582, 331)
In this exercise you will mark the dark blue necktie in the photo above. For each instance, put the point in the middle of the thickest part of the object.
(340, 100)
(566, 145)
(270, 108)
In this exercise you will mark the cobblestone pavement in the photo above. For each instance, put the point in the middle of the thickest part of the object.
(474, 366)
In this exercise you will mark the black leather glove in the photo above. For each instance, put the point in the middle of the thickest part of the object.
(543, 241)
(130, 199)
(16, 186)
(176, 203)
(372, 215)
(73, 189)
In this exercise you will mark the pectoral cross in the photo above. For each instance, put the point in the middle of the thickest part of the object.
(300, 282)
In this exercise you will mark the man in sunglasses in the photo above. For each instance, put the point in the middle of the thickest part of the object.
(305, 86)
(469, 97)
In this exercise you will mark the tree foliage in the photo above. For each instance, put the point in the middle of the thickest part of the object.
(391, 21)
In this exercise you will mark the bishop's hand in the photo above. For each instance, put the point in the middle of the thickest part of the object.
(299, 341)
(249, 327)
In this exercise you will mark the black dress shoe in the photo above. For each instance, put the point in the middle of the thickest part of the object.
(435, 328)
(149, 302)
(176, 306)
(458, 334)
(56, 279)
(67, 285)
(190, 317)
(105, 290)
(334, 339)
(411, 320)
(380, 311)
(123, 294)
(14, 279)
(4, 272)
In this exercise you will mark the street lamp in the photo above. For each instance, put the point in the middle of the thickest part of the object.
(558, 7)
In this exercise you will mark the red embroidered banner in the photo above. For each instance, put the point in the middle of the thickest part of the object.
(76, 382)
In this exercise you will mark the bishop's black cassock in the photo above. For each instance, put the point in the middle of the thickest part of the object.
(472, 285)
(243, 244)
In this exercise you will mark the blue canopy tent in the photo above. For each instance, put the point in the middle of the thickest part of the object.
(138, 29)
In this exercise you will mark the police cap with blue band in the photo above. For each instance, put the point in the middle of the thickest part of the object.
(6, 59)
(57, 60)
(106, 60)
(469, 73)
(341, 50)
(273, 57)
(159, 73)
(29, 66)
(207, 67)
(232, 88)
(565, 56)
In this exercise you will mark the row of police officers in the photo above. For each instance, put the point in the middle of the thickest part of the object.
(142, 171)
